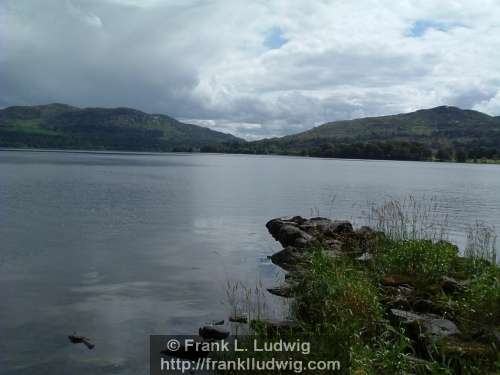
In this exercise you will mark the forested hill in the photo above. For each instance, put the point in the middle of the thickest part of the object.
(66, 127)
(443, 133)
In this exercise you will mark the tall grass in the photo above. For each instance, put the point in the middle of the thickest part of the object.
(249, 302)
(481, 242)
(410, 219)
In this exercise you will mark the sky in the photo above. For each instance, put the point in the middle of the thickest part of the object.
(257, 69)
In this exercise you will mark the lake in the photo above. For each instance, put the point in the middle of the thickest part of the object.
(118, 246)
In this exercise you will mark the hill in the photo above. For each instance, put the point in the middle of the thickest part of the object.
(67, 127)
(444, 133)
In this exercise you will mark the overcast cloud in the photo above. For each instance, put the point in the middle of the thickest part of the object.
(253, 68)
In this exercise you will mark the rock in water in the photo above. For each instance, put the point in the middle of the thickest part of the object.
(289, 258)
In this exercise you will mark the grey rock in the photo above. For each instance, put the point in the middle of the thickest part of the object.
(289, 258)
(340, 227)
(430, 325)
(450, 285)
(290, 235)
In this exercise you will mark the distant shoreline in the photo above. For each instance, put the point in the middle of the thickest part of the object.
(160, 153)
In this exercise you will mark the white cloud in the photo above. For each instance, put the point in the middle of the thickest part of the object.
(213, 62)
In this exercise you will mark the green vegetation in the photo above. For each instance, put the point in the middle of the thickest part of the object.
(421, 260)
(344, 307)
(414, 306)
(66, 127)
(441, 134)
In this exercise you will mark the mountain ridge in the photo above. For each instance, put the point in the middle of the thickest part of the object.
(58, 125)
(443, 133)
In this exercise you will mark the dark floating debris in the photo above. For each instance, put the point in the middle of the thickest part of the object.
(76, 339)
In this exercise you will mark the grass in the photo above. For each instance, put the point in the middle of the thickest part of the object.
(410, 218)
(422, 260)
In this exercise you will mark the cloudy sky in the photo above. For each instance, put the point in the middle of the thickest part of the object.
(253, 68)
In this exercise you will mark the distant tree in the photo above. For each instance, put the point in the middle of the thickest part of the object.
(443, 154)
(461, 155)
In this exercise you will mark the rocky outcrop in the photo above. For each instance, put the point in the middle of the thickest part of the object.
(336, 237)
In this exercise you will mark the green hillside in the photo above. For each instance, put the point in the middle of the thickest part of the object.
(443, 133)
(63, 126)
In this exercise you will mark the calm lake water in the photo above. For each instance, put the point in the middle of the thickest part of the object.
(121, 246)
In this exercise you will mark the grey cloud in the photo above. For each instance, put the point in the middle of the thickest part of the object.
(211, 62)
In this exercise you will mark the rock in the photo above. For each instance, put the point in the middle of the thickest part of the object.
(334, 244)
(282, 291)
(337, 238)
(289, 258)
(366, 231)
(450, 285)
(212, 333)
(366, 257)
(274, 225)
(398, 297)
(423, 305)
(316, 225)
(439, 328)
(340, 227)
(290, 235)
(430, 325)
(404, 317)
